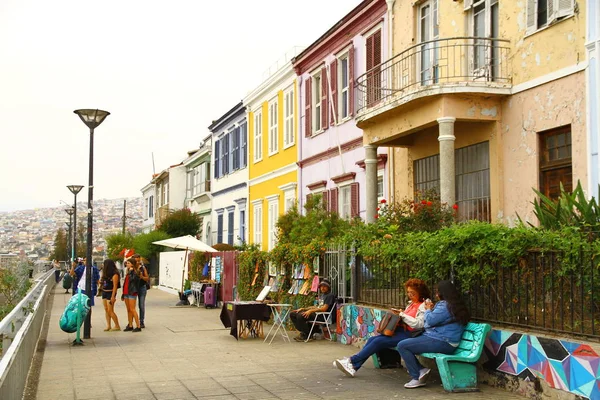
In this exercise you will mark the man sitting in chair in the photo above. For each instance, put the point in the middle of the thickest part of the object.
(303, 317)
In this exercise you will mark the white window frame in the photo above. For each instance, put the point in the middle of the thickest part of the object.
(273, 127)
(273, 216)
(341, 89)
(257, 136)
(150, 206)
(316, 104)
(380, 175)
(289, 195)
(559, 11)
(289, 134)
(342, 189)
(257, 222)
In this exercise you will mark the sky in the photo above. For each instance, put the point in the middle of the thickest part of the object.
(163, 69)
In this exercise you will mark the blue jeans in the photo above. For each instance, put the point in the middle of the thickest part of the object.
(409, 348)
(375, 344)
(142, 302)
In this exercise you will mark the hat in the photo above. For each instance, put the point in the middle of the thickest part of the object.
(79, 259)
(325, 282)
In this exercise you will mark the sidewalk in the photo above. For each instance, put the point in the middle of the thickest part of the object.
(185, 353)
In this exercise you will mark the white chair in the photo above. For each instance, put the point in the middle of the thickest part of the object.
(197, 292)
(326, 320)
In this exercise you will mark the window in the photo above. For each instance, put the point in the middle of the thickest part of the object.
(200, 179)
(373, 65)
(217, 160)
(225, 155)
(257, 136)
(428, 31)
(288, 115)
(244, 145)
(485, 24)
(145, 208)
(230, 224)
(555, 162)
(380, 193)
(344, 202)
(316, 95)
(220, 227)
(273, 216)
(258, 224)
(151, 207)
(242, 226)
(235, 144)
(542, 13)
(273, 131)
(344, 87)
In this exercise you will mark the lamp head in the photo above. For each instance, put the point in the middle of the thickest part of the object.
(92, 118)
(75, 188)
(70, 211)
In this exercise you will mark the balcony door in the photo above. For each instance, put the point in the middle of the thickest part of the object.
(428, 32)
(486, 60)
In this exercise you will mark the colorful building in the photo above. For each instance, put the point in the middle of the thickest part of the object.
(169, 196)
(198, 197)
(229, 188)
(332, 156)
(273, 152)
(481, 100)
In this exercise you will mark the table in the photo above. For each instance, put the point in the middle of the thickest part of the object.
(280, 314)
(245, 318)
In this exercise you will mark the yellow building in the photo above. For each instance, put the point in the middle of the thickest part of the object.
(272, 153)
(483, 100)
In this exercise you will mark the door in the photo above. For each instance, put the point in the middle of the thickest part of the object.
(486, 60)
(428, 32)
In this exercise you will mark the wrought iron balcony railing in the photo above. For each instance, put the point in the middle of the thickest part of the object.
(457, 61)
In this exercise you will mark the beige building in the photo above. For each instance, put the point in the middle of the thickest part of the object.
(483, 100)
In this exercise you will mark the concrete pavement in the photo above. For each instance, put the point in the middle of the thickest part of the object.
(185, 353)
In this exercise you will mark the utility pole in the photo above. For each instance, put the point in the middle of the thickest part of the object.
(124, 214)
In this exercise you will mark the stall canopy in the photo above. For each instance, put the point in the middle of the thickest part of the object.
(187, 243)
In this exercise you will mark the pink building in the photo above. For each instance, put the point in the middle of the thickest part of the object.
(331, 153)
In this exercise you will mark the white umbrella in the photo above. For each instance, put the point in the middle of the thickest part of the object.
(186, 243)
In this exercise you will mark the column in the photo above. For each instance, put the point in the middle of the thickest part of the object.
(447, 173)
(371, 182)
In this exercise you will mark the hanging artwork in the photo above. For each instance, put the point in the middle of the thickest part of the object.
(316, 263)
(282, 269)
(272, 268)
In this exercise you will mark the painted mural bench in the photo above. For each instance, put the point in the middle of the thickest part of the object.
(458, 370)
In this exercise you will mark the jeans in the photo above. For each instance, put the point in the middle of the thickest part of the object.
(57, 275)
(375, 344)
(142, 302)
(421, 344)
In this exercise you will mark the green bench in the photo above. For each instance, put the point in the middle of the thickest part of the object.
(458, 370)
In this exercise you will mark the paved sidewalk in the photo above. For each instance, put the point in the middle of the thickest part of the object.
(185, 353)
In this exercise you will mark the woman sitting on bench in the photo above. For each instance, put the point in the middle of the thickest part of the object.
(444, 325)
(412, 317)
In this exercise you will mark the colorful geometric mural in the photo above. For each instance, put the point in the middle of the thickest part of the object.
(564, 365)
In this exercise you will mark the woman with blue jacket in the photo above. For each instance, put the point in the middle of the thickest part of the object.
(444, 325)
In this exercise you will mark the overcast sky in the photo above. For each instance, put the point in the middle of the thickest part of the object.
(163, 69)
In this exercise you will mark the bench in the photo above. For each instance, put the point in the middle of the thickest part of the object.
(458, 370)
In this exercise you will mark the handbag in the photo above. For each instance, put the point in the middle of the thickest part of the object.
(389, 323)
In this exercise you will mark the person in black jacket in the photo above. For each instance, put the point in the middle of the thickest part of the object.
(130, 293)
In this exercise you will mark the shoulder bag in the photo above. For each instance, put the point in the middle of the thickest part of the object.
(389, 323)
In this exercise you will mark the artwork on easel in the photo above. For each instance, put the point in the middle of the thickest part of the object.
(282, 269)
(272, 268)
(316, 263)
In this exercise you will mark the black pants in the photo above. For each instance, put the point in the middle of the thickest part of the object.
(57, 275)
(303, 324)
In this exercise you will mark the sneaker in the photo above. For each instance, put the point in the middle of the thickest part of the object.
(424, 374)
(137, 330)
(143, 326)
(128, 328)
(414, 383)
(345, 365)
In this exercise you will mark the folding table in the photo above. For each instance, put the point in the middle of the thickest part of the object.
(281, 313)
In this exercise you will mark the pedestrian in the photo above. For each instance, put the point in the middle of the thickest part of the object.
(79, 276)
(110, 283)
(130, 293)
(303, 317)
(143, 290)
(444, 325)
(413, 317)
(56, 266)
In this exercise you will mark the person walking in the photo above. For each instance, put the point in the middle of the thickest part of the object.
(130, 293)
(143, 289)
(444, 325)
(110, 283)
(413, 317)
(56, 266)
(79, 276)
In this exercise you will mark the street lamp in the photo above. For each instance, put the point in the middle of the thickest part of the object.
(70, 255)
(74, 189)
(91, 118)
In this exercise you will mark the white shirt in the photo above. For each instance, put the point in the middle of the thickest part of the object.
(81, 284)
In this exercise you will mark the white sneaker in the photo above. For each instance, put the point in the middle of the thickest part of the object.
(414, 383)
(424, 374)
(345, 365)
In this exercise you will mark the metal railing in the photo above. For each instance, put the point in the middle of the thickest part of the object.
(19, 332)
(542, 291)
(472, 61)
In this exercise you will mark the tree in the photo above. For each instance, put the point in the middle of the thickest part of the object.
(117, 242)
(60, 245)
(14, 284)
(181, 222)
(81, 240)
(142, 243)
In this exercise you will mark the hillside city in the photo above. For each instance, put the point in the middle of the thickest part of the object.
(32, 232)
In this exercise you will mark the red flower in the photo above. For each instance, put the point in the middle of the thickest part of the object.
(378, 208)
(455, 206)
(376, 216)
(383, 201)
(429, 203)
(423, 202)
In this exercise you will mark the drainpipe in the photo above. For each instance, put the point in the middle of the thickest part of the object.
(390, 51)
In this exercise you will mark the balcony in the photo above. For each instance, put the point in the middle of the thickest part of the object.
(450, 65)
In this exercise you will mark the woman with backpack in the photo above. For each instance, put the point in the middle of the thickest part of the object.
(110, 283)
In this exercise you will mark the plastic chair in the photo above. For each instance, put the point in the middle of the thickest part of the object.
(327, 320)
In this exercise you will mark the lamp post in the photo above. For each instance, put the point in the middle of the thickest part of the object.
(74, 189)
(91, 118)
(70, 211)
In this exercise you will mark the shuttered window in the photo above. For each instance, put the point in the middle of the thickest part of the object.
(345, 209)
(333, 81)
(343, 87)
(225, 155)
(288, 115)
(333, 204)
(230, 156)
(307, 107)
(230, 224)
(257, 136)
(373, 62)
(243, 226)
(541, 13)
(244, 141)
(220, 228)
(555, 162)
(258, 224)
(354, 200)
(351, 80)
(325, 199)
(324, 99)
(236, 148)
(317, 103)
(217, 160)
(273, 130)
(273, 216)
